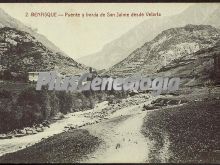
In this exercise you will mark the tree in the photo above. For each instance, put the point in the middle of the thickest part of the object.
(65, 102)
(7, 75)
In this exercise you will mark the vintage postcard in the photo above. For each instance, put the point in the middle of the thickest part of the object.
(109, 83)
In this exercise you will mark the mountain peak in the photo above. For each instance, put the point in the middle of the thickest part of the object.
(168, 46)
(7, 21)
(119, 49)
(22, 49)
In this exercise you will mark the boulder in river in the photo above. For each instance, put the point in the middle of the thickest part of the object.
(3, 136)
(39, 129)
(20, 135)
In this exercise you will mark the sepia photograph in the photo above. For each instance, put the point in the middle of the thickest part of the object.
(110, 83)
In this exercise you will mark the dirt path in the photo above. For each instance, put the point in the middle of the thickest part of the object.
(73, 119)
(120, 133)
(123, 141)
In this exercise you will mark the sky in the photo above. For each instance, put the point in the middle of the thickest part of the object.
(78, 36)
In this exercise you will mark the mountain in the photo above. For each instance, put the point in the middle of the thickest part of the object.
(170, 45)
(8, 21)
(194, 69)
(20, 51)
(120, 48)
(23, 49)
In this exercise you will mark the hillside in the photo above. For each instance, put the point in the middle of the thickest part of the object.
(20, 51)
(170, 45)
(120, 48)
(196, 68)
(8, 21)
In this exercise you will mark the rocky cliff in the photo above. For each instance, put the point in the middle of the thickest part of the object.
(119, 49)
(168, 47)
(20, 51)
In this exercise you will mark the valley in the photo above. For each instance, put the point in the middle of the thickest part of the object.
(177, 56)
(124, 132)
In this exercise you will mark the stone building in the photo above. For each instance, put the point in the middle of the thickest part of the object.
(33, 76)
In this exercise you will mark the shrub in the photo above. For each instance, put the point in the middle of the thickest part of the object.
(66, 102)
(5, 94)
(7, 75)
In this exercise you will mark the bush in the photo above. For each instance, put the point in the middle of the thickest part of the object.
(5, 94)
(32, 107)
(65, 101)
(35, 104)
(7, 75)
(54, 103)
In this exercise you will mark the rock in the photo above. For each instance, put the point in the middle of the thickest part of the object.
(19, 131)
(3, 136)
(149, 107)
(46, 124)
(183, 101)
(173, 102)
(29, 132)
(217, 98)
(20, 135)
(34, 132)
(58, 116)
(40, 125)
(9, 136)
(39, 129)
(161, 102)
(71, 128)
(22, 131)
